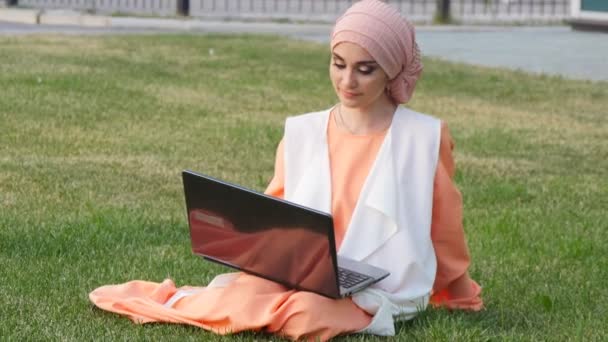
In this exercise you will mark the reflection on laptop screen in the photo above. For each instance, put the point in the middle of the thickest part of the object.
(245, 230)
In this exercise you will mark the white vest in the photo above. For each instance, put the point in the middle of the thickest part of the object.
(391, 222)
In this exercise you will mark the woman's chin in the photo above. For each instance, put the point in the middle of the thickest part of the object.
(350, 102)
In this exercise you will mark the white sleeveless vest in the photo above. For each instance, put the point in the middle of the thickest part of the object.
(391, 222)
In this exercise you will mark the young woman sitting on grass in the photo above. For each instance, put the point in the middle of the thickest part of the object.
(385, 174)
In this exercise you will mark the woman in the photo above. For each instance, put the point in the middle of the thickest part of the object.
(383, 171)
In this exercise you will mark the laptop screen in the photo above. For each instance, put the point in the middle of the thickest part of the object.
(262, 235)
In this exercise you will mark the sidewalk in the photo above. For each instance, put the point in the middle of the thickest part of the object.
(552, 50)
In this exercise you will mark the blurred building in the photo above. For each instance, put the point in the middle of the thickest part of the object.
(589, 15)
(419, 11)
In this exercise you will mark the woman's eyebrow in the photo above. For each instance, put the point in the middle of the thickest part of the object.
(358, 63)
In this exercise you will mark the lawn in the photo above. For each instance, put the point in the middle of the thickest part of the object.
(94, 132)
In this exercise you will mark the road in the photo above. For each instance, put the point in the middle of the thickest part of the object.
(552, 50)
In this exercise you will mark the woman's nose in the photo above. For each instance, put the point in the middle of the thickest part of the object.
(349, 79)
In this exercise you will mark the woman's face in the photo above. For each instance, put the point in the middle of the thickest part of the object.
(357, 79)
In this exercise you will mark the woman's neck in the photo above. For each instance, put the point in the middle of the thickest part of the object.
(365, 120)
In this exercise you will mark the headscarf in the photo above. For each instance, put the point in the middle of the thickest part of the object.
(389, 38)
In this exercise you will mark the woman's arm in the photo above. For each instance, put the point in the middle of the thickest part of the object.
(453, 288)
(276, 187)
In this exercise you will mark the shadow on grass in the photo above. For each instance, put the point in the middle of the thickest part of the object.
(120, 324)
(432, 324)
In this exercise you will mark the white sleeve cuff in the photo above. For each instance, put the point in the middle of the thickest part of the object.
(384, 311)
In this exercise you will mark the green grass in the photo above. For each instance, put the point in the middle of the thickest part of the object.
(94, 132)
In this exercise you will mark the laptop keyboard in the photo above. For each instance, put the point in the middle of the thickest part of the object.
(350, 278)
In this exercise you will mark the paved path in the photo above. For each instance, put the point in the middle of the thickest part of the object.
(555, 50)
(552, 50)
(549, 50)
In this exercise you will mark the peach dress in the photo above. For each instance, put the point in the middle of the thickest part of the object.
(239, 302)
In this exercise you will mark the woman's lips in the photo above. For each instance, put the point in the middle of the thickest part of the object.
(349, 95)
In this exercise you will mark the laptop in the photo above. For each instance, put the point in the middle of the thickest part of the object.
(271, 238)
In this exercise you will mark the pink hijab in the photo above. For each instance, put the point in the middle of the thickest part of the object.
(389, 38)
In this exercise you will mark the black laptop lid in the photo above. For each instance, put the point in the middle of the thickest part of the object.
(262, 235)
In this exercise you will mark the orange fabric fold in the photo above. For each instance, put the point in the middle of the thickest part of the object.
(452, 282)
(247, 303)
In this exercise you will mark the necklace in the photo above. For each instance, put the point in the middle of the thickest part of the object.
(342, 122)
(345, 126)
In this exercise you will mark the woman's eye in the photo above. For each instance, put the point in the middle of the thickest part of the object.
(339, 66)
(366, 71)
